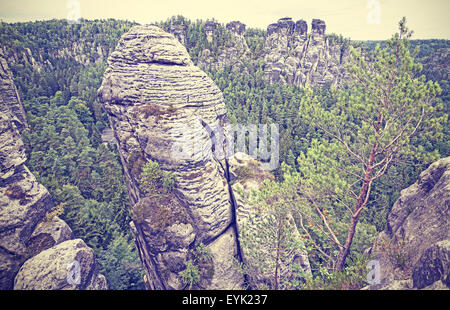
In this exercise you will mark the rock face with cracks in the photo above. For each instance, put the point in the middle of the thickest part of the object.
(414, 249)
(234, 53)
(294, 57)
(156, 100)
(34, 248)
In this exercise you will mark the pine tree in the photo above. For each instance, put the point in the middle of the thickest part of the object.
(368, 130)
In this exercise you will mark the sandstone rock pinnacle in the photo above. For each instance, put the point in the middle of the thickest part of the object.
(153, 107)
(156, 98)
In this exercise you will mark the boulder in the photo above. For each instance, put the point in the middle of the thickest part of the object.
(70, 265)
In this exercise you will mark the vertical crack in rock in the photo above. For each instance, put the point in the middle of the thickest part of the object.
(294, 57)
(163, 108)
(226, 170)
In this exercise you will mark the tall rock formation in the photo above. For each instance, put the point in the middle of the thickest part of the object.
(10, 103)
(157, 101)
(210, 27)
(31, 238)
(294, 57)
(245, 175)
(235, 51)
(149, 88)
(414, 250)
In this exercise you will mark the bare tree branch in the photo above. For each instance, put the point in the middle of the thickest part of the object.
(314, 244)
(325, 222)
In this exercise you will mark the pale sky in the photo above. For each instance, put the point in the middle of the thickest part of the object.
(357, 19)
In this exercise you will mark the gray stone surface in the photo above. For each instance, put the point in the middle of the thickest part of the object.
(54, 269)
(10, 103)
(414, 247)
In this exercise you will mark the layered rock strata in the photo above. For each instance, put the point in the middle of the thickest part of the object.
(294, 57)
(247, 175)
(31, 239)
(10, 103)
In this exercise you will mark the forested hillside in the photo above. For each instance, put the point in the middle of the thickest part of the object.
(58, 68)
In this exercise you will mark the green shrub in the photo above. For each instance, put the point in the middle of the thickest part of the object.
(168, 182)
(353, 277)
(191, 274)
(156, 181)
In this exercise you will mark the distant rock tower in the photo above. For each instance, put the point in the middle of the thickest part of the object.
(179, 31)
(293, 57)
(210, 27)
(236, 27)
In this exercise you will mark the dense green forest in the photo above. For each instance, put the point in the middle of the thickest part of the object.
(67, 155)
